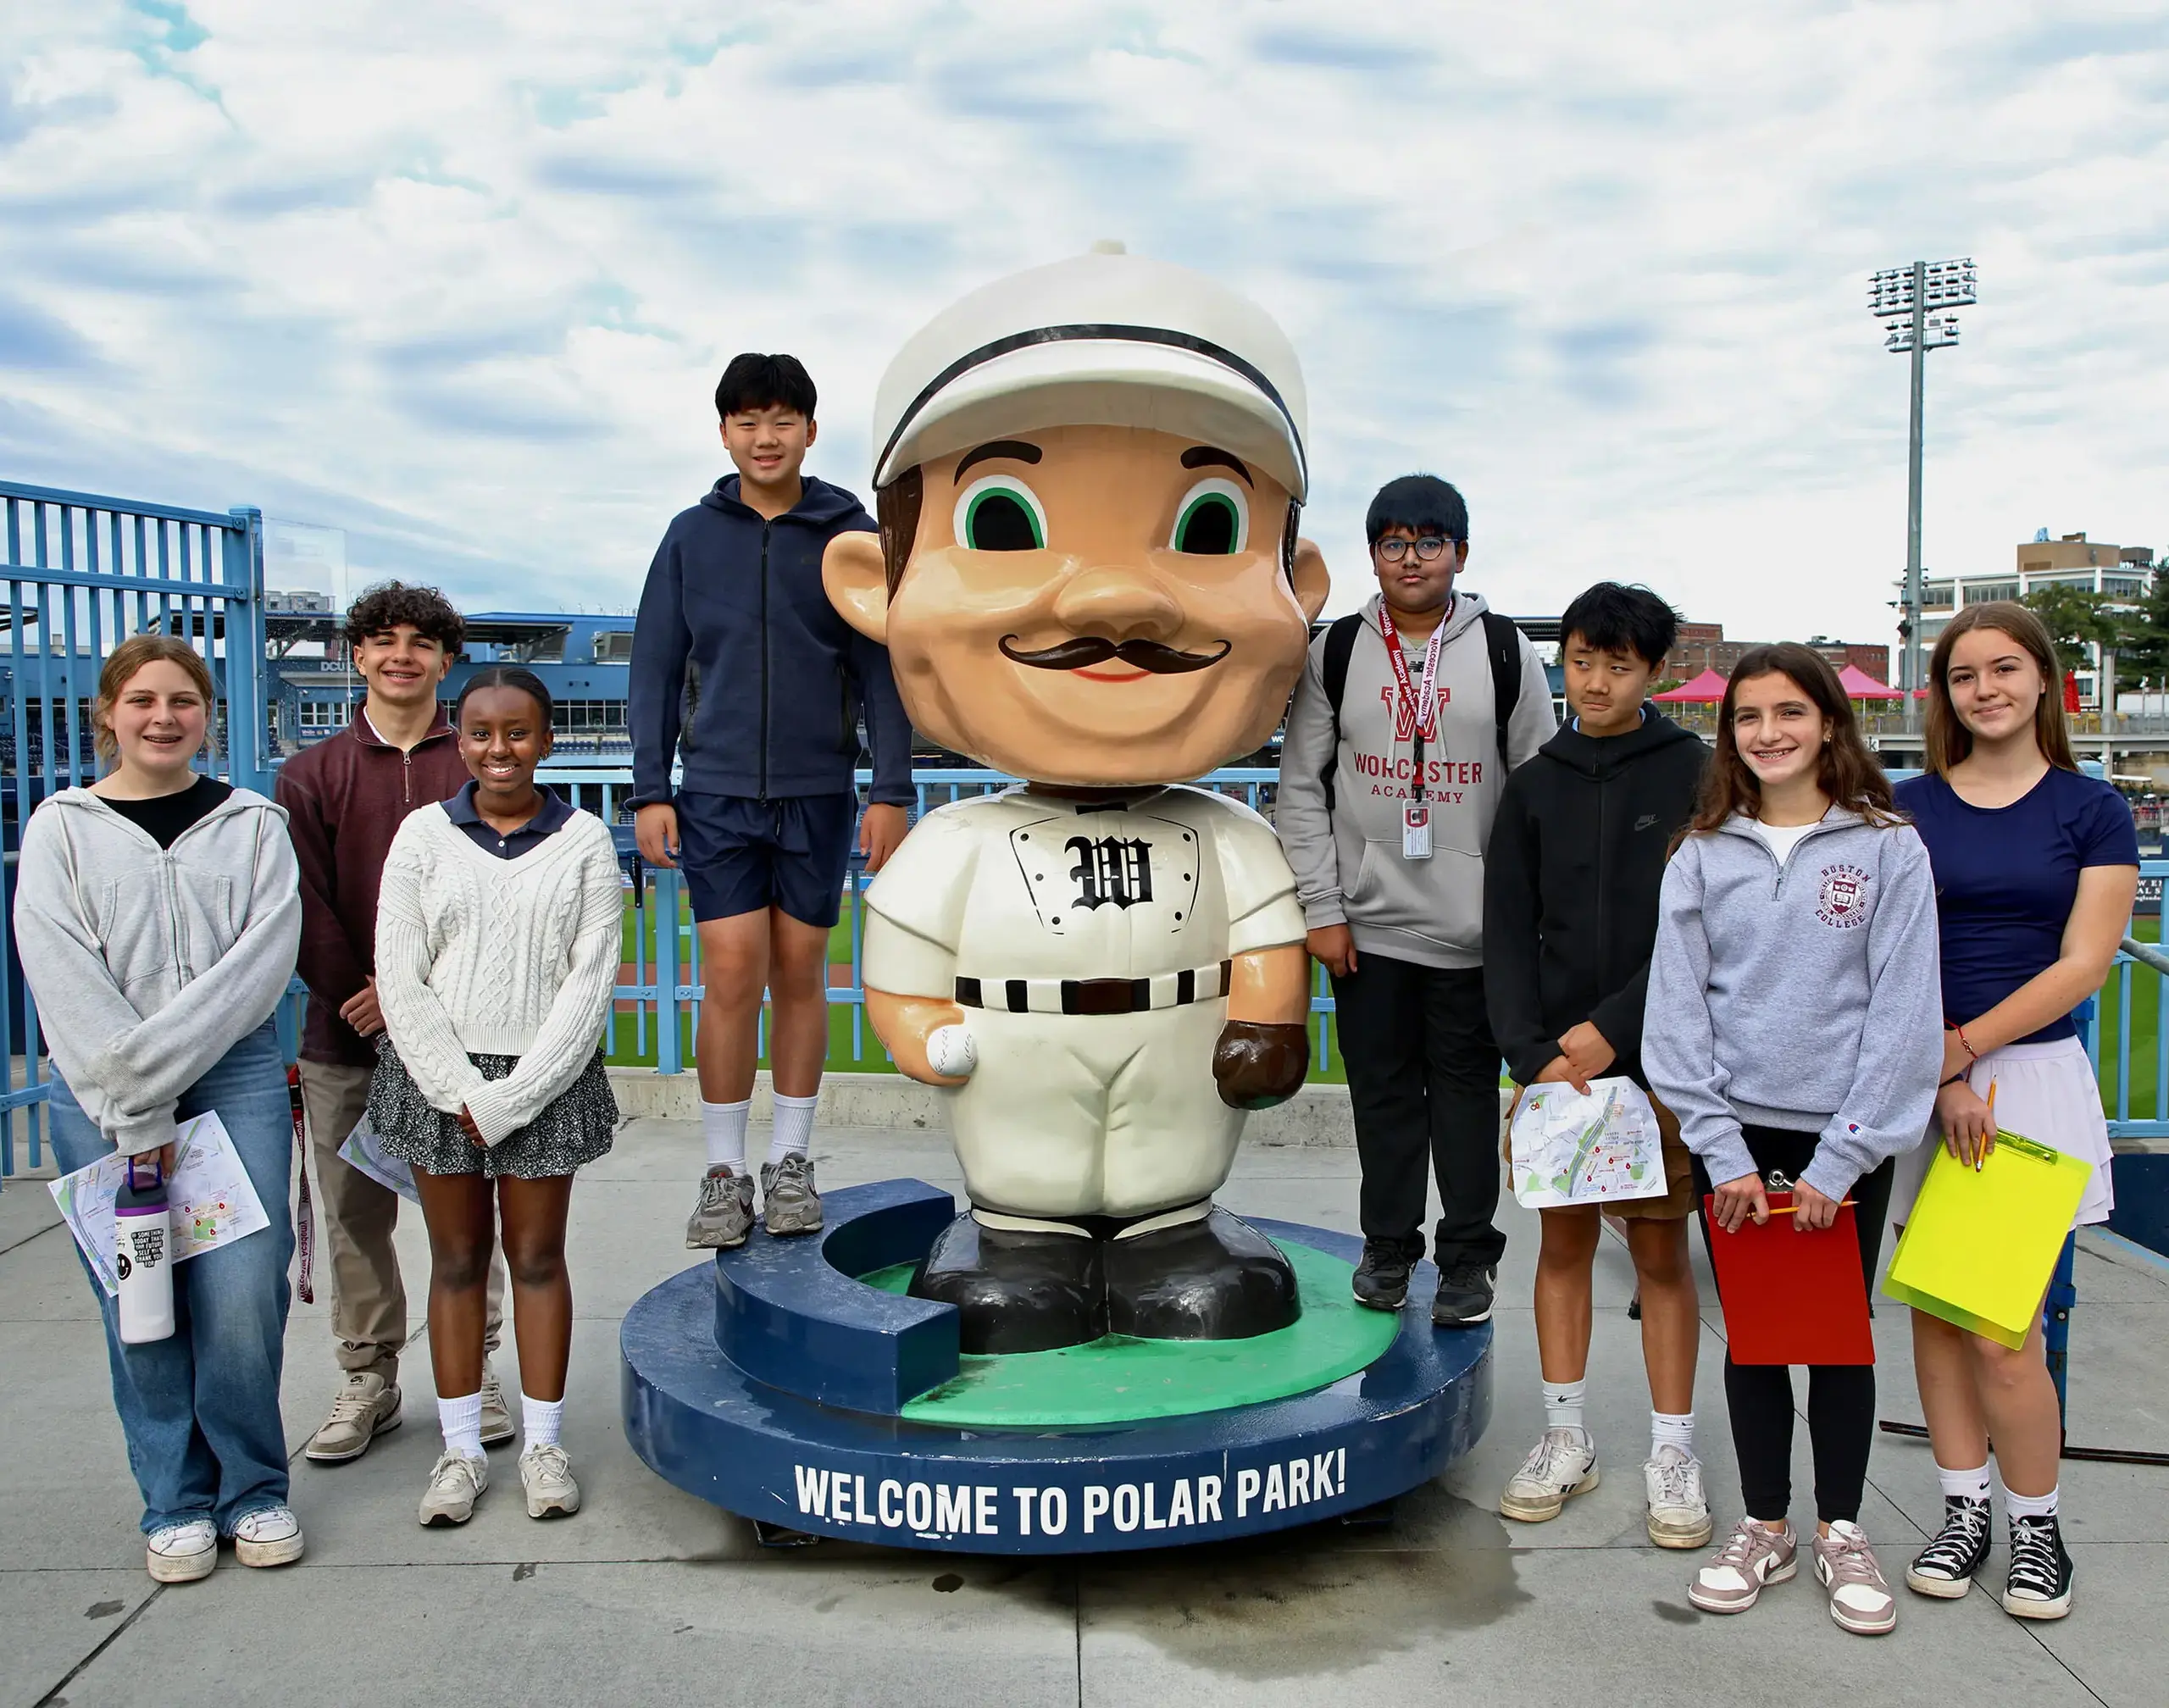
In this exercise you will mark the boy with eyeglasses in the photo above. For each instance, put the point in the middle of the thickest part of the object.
(1406, 721)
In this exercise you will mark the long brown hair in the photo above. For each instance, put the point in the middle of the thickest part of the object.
(120, 666)
(1949, 741)
(1849, 773)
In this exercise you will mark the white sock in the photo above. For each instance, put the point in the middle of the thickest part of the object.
(2029, 1505)
(461, 1419)
(1968, 1485)
(793, 1132)
(540, 1419)
(1672, 1429)
(722, 1125)
(1562, 1405)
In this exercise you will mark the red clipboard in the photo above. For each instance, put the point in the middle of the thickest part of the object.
(1789, 1297)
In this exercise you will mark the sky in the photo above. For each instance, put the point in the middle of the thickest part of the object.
(458, 280)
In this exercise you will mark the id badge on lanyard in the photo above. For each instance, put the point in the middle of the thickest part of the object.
(1423, 713)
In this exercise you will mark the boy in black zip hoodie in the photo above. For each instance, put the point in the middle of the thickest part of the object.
(1573, 872)
(761, 820)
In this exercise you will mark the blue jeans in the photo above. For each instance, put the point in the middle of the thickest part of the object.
(200, 1408)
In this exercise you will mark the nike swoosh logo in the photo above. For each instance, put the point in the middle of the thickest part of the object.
(1646, 821)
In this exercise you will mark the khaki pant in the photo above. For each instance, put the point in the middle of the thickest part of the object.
(368, 1301)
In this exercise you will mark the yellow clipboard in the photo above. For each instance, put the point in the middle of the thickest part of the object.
(1980, 1245)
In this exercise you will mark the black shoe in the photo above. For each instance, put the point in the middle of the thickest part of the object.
(1464, 1298)
(1218, 1279)
(2039, 1584)
(1381, 1280)
(1945, 1567)
(1015, 1291)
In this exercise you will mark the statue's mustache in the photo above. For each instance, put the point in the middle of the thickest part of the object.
(1087, 650)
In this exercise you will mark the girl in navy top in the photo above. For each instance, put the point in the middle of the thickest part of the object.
(2035, 868)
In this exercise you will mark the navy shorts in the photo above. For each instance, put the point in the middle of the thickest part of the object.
(742, 856)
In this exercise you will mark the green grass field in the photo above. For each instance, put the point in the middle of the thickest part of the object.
(865, 1055)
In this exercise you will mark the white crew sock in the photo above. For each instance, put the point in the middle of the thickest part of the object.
(2029, 1505)
(722, 1125)
(461, 1419)
(1672, 1429)
(541, 1420)
(1968, 1485)
(793, 1132)
(1562, 1405)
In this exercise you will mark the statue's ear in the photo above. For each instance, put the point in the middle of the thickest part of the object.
(1310, 580)
(856, 578)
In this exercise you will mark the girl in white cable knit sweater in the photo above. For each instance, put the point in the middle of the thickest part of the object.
(496, 951)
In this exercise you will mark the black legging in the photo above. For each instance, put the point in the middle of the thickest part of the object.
(1840, 1397)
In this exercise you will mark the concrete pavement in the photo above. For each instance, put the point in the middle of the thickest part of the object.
(649, 1595)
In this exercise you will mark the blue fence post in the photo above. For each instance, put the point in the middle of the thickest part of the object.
(245, 640)
(670, 1054)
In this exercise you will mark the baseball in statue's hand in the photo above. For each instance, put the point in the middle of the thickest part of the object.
(1257, 1063)
(951, 1052)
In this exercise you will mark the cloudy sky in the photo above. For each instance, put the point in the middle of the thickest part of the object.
(458, 278)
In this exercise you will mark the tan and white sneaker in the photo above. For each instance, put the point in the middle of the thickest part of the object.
(1753, 1557)
(368, 1404)
(1560, 1467)
(496, 1416)
(1860, 1601)
(546, 1474)
(456, 1483)
(1679, 1510)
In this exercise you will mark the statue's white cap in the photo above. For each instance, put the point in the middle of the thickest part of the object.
(1107, 339)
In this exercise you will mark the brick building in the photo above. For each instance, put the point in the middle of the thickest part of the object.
(1703, 646)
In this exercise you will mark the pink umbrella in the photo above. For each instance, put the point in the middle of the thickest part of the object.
(1705, 690)
(1860, 685)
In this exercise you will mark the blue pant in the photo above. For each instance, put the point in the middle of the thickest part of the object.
(200, 1409)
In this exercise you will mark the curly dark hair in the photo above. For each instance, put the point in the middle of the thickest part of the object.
(388, 604)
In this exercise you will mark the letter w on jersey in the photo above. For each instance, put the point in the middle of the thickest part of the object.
(1111, 869)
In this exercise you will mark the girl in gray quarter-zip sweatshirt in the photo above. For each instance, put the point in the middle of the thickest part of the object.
(150, 963)
(1805, 996)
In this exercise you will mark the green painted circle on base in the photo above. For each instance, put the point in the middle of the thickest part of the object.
(1117, 1379)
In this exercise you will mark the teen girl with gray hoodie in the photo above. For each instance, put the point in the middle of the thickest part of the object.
(158, 914)
(1794, 1024)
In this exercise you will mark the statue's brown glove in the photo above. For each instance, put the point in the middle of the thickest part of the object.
(1257, 1063)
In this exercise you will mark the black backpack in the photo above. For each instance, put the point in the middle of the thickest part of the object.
(1501, 641)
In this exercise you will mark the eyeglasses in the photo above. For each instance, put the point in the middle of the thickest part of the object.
(1428, 549)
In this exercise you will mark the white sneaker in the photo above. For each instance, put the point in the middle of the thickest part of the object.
(272, 1537)
(456, 1483)
(1560, 1466)
(1679, 1512)
(181, 1553)
(1860, 1601)
(546, 1474)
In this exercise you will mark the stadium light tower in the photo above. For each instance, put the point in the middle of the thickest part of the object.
(1918, 306)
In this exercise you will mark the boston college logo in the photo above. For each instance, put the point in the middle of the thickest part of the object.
(1117, 869)
(1843, 901)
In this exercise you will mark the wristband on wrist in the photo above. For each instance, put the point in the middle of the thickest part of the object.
(1966, 1043)
(1953, 1081)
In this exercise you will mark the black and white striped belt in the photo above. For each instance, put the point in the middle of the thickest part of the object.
(1097, 996)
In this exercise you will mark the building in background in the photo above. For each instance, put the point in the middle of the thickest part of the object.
(1703, 646)
(2119, 573)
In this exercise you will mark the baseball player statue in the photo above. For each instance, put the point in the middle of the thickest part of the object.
(1088, 575)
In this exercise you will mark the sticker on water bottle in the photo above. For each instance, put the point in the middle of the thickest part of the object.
(1416, 831)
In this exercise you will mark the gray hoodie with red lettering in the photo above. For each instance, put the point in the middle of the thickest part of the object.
(1349, 866)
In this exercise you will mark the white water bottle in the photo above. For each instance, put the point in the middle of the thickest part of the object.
(142, 1229)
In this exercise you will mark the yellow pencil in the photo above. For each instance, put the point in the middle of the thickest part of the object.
(1843, 1204)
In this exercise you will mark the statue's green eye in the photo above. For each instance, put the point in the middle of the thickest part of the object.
(1213, 520)
(999, 513)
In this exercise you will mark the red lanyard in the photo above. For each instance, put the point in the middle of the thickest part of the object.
(1425, 710)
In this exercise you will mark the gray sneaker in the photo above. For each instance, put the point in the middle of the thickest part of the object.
(724, 1215)
(789, 1203)
(366, 1406)
(496, 1416)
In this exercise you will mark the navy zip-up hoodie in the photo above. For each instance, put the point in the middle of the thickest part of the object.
(781, 676)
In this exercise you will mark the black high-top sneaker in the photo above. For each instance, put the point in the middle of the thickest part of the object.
(1945, 1567)
(2039, 1584)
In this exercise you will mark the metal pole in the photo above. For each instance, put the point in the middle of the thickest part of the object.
(1910, 673)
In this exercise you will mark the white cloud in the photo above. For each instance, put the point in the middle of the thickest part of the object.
(459, 279)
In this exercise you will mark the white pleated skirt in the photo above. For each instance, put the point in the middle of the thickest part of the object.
(2044, 1092)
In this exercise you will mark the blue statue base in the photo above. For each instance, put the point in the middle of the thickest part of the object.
(777, 1383)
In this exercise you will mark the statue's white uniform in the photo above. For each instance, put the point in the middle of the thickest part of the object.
(1084, 1114)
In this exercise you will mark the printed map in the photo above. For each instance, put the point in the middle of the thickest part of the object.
(1572, 1149)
